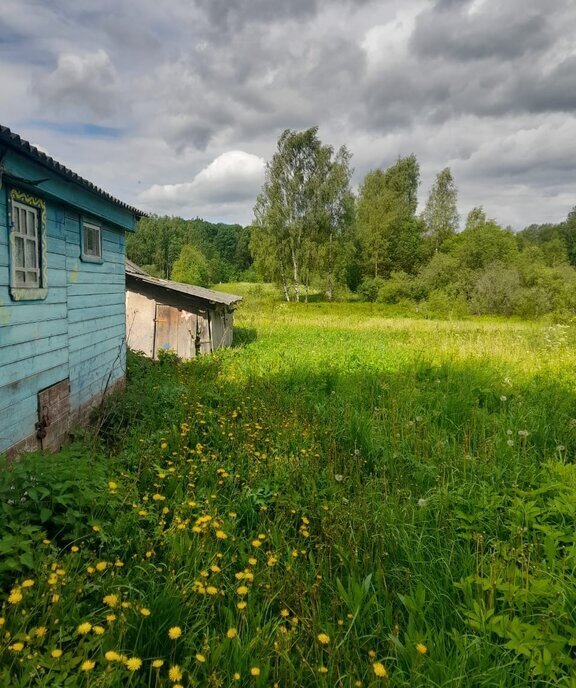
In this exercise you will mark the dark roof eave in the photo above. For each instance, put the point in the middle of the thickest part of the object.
(187, 290)
(27, 149)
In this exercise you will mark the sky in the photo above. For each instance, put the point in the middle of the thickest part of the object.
(176, 106)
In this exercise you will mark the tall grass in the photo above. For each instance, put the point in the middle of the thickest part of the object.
(394, 501)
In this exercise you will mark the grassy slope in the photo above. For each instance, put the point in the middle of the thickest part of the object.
(408, 483)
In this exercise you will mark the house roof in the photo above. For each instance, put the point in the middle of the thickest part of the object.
(136, 272)
(13, 140)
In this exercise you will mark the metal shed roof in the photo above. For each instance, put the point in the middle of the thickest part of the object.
(136, 272)
(10, 138)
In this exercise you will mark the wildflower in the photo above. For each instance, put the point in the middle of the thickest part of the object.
(158, 497)
(252, 561)
(74, 549)
(422, 649)
(221, 535)
(16, 647)
(28, 583)
(2, 621)
(231, 633)
(242, 605)
(84, 628)
(96, 529)
(175, 673)
(200, 658)
(145, 612)
(157, 663)
(323, 638)
(112, 656)
(256, 543)
(285, 613)
(55, 599)
(15, 596)
(255, 671)
(110, 618)
(242, 590)
(41, 631)
(133, 664)
(174, 633)
(101, 566)
(322, 670)
(56, 654)
(112, 485)
(88, 665)
(211, 590)
(98, 630)
(110, 600)
(380, 670)
(236, 676)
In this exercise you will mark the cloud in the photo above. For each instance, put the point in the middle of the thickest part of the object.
(232, 178)
(81, 83)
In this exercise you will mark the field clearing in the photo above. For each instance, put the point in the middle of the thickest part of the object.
(342, 499)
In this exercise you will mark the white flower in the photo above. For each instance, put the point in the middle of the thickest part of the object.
(338, 477)
(510, 443)
(422, 502)
(503, 398)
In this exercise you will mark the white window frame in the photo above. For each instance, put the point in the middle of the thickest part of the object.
(26, 233)
(89, 255)
(28, 261)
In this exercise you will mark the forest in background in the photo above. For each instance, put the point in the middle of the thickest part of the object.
(311, 233)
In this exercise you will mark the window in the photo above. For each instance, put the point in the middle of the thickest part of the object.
(91, 242)
(26, 237)
(28, 268)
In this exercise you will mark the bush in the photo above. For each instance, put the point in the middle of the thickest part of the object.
(369, 288)
(495, 291)
(400, 286)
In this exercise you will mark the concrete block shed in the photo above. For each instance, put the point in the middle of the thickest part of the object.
(189, 320)
(62, 295)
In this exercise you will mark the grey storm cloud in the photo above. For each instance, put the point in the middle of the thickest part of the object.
(197, 89)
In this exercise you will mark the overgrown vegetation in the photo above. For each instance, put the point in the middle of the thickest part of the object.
(341, 500)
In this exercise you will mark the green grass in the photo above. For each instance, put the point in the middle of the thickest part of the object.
(409, 483)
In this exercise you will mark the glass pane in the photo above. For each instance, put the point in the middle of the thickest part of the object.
(18, 220)
(19, 252)
(31, 254)
(20, 277)
(31, 278)
(31, 222)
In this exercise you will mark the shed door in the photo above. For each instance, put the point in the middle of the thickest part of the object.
(176, 330)
(166, 330)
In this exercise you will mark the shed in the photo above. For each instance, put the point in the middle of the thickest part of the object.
(162, 314)
(62, 296)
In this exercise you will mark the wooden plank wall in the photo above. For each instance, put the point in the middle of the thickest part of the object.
(33, 334)
(78, 331)
(96, 313)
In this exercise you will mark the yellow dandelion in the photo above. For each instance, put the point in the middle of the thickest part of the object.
(158, 497)
(110, 600)
(323, 638)
(255, 671)
(158, 663)
(174, 633)
(231, 633)
(242, 590)
(145, 612)
(28, 583)
(101, 566)
(285, 613)
(74, 549)
(96, 529)
(380, 670)
(242, 605)
(88, 665)
(211, 590)
(56, 654)
(175, 673)
(15, 596)
(256, 543)
(16, 647)
(55, 599)
(252, 561)
(322, 670)
(84, 628)
(112, 656)
(200, 658)
(2, 621)
(98, 630)
(112, 485)
(236, 676)
(110, 618)
(133, 664)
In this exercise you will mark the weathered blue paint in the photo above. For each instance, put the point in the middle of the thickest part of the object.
(77, 331)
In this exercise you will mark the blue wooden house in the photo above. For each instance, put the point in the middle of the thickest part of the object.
(62, 296)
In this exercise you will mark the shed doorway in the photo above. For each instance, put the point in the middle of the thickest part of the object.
(185, 333)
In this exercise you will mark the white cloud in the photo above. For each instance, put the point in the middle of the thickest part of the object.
(232, 178)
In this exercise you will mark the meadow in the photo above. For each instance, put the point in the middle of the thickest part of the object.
(344, 498)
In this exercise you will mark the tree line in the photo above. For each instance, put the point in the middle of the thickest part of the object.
(312, 233)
